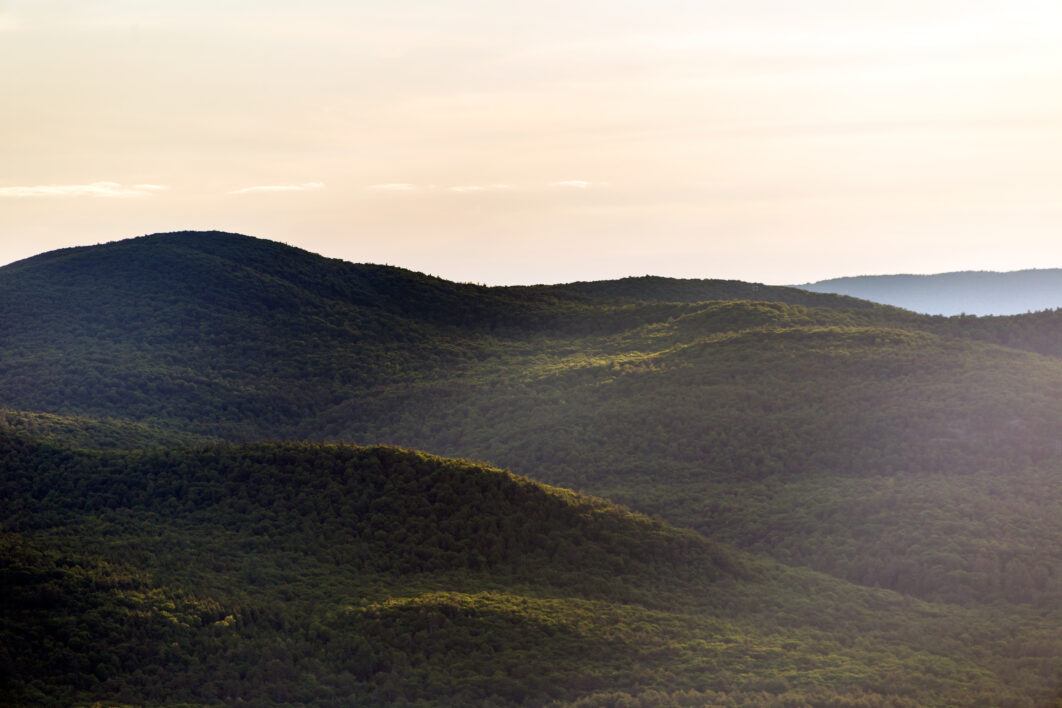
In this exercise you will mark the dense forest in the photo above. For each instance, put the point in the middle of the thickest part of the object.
(324, 574)
(868, 498)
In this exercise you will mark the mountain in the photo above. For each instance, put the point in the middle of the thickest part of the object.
(228, 335)
(657, 289)
(966, 292)
(902, 466)
(901, 459)
(291, 573)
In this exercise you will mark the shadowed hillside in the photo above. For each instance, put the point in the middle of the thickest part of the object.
(326, 575)
(229, 335)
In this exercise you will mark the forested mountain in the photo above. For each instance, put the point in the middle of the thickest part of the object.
(656, 289)
(92, 433)
(965, 292)
(242, 337)
(336, 575)
(895, 452)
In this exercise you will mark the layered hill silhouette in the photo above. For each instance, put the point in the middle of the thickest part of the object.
(910, 464)
(964, 292)
(238, 336)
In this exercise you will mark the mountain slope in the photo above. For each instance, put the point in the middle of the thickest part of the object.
(657, 289)
(670, 407)
(778, 440)
(187, 329)
(918, 454)
(966, 292)
(81, 432)
(294, 573)
(228, 335)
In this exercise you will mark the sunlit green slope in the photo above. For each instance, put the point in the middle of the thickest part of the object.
(893, 457)
(335, 575)
(92, 433)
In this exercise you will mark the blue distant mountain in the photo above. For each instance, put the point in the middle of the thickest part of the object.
(969, 292)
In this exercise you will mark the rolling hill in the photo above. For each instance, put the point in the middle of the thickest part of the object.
(904, 469)
(329, 575)
(229, 335)
(896, 458)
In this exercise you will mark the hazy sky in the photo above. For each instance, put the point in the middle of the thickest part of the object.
(504, 142)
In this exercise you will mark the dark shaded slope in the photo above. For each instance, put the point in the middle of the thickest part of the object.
(1039, 332)
(396, 510)
(221, 334)
(73, 626)
(311, 574)
(240, 274)
(334, 575)
(232, 336)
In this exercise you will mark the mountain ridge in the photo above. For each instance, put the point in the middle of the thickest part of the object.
(214, 314)
(955, 293)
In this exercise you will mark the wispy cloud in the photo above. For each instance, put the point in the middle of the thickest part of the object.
(457, 188)
(393, 187)
(480, 188)
(96, 189)
(304, 187)
(496, 187)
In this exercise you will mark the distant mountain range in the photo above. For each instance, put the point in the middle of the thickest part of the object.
(964, 292)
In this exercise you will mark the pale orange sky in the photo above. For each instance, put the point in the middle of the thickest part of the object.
(504, 142)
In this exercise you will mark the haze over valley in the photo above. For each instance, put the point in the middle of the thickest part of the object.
(969, 293)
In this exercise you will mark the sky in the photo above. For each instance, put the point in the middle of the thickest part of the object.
(502, 142)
